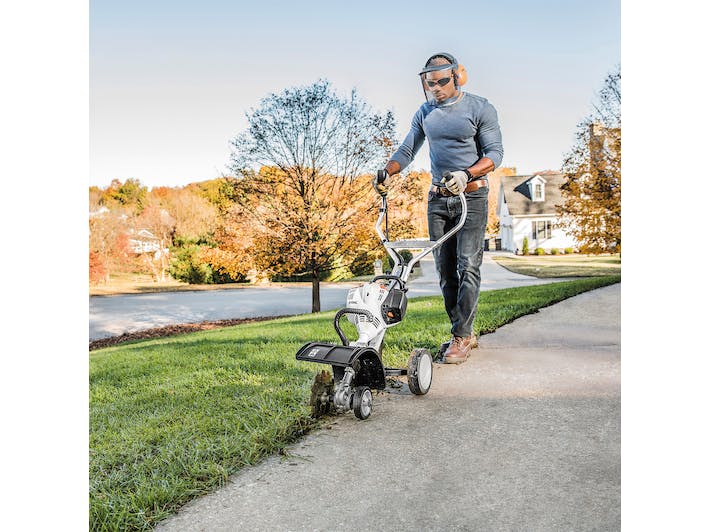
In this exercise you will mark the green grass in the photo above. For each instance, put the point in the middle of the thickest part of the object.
(171, 419)
(549, 266)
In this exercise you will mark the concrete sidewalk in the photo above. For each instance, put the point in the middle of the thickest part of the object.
(523, 436)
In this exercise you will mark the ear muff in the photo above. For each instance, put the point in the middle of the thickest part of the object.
(460, 75)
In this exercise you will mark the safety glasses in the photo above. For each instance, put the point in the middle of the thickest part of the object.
(441, 82)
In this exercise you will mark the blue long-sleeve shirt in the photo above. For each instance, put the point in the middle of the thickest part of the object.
(458, 135)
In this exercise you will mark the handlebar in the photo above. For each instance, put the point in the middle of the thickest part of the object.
(381, 175)
(391, 278)
(415, 259)
(343, 312)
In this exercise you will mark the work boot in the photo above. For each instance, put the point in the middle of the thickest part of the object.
(474, 341)
(459, 349)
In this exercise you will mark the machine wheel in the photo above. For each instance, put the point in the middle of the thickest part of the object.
(362, 402)
(321, 393)
(419, 371)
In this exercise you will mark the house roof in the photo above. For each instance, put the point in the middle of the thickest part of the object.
(142, 234)
(516, 194)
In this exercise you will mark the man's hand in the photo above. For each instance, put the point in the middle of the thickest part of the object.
(455, 181)
(381, 182)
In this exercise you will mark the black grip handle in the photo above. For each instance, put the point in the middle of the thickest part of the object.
(381, 176)
(391, 277)
(341, 313)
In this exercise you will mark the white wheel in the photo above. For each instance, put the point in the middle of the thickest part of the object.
(362, 402)
(419, 371)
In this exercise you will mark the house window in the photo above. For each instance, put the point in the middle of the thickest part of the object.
(541, 229)
(536, 188)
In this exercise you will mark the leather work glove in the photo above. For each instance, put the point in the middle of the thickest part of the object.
(381, 182)
(455, 181)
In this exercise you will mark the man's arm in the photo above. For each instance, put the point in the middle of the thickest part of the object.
(482, 167)
(409, 147)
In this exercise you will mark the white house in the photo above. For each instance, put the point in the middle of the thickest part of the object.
(526, 208)
(100, 212)
(143, 242)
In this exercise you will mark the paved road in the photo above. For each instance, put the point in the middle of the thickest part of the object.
(523, 436)
(114, 315)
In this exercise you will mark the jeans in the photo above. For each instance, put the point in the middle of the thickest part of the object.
(458, 260)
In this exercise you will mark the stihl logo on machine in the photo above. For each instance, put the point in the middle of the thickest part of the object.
(313, 352)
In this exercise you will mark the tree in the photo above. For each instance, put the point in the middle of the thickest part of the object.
(195, 217)
(417, 185)
(109, 251)
(591, 211)
(220, 192)
(97, 269)
(161, 224)
(131, 195)
(304, 161)
(95, 196)
(494, 178)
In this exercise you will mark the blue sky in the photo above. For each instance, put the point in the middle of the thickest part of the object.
(170, 82)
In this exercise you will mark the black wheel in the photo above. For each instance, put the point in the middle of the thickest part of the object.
(321, 392)
(362, 402)
(419, 371)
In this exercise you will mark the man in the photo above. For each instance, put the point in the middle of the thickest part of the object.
(464, 144)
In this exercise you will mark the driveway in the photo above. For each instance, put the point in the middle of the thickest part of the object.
(115, 315)
(525, 435)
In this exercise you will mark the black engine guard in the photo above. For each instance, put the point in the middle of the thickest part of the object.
(365, 361)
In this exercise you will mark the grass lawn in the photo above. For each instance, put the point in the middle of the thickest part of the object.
(172, 418)
(548, 266)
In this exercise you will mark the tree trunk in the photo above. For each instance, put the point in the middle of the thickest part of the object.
(163, 260)
(315, 292)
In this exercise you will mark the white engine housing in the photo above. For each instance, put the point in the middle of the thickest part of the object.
(368, 297)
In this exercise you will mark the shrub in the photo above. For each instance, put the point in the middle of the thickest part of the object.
(526, 246)
(222, 277)
(554, 251)
(192, 262)
(569, 250)
(363, 264)
(539, 251)
(186, 265)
